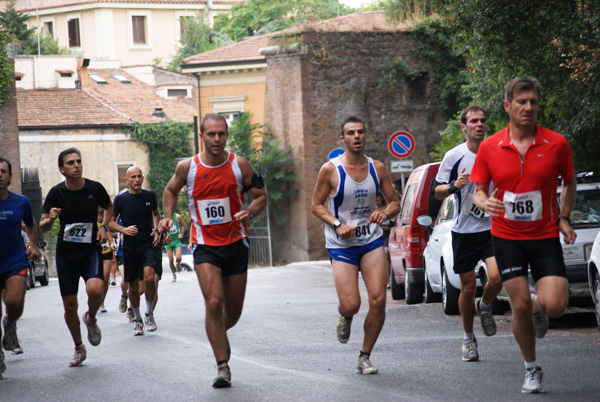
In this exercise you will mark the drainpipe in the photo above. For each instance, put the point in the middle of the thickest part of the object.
(199, 117)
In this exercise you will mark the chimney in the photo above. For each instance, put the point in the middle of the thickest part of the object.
(159, 113)
(82, 73)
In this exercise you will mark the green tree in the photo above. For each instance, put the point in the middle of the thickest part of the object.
(15, 24)
(6, 69)
(197, 37)
(48, 45)
(253, 17)
(267, 157)
(557, 42)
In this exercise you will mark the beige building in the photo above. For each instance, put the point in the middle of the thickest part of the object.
(61, 104)
(135, 32)
(231, 79)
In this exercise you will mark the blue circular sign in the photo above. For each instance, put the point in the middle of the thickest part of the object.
(401, 144)
(335, 153)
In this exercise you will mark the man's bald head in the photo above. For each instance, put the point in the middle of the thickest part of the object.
(135, 179)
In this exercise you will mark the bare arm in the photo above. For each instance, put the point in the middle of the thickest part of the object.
(183, 226)
(48, 219)
(171, 194)
(567, 200)
(104, 234)
(491, 205)
(259, 196)
(32, 250)
(320, 195)
(387, 189)
(443, 190)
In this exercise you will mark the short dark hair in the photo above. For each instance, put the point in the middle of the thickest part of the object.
(213, 116)
(352, 119)
(469, 109)
(521, 84)
(61, 156)
(8, 163)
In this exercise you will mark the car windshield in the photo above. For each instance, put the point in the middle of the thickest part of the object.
(586, 210)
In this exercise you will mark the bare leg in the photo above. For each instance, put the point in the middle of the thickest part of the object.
(522, 323)
(374, 271)
(71, 318)
(466, 300)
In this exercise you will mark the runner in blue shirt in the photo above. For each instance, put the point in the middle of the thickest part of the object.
(14, 209)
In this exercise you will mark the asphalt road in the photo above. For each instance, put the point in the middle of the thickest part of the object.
(285, 349)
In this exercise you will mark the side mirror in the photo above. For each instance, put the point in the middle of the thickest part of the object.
(425, 220)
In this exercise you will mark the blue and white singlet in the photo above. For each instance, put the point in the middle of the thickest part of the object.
(353, 203)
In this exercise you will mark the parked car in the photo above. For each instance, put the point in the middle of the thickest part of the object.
(441, 283)
(187, 259)
(408, 239)
(594, 276)
(38, 269)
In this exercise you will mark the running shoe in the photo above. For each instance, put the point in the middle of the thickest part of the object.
(123, 304)
(343, 329)
(364, 366)
(10, 340)
(174, 278)
(79, 356)
(541, 322)
(130, 314)
(223, 378)
(533, 381)
(138, 328)
(2, 364)
(94, 333)
(469, 350)
(488, 323)
(103, 309)
(113, 282)
(149, 323)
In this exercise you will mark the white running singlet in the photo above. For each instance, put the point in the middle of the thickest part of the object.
(353, 203)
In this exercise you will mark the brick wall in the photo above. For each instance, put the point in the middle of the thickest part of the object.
(309, 95)
(9, 138)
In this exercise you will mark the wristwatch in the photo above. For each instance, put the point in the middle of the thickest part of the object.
(451, 188)
(105, 227)
(565, 218)
(336, 224)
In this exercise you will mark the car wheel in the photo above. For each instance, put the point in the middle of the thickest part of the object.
(397, 290)
(430, 295)
(597, 293)
(413, 291)
(186, 267)
(45, 278)
(449, 296)
(31, 275)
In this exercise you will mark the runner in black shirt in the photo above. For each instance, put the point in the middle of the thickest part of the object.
(76, 202)
(139, 214)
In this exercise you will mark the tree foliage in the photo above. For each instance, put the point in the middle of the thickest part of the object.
(556, 42)
(15, 23)
(197, 37)
(267, 157)
(167, 142)
(253, 17)
(6, 69)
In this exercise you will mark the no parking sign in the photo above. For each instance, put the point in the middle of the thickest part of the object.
(401, 144)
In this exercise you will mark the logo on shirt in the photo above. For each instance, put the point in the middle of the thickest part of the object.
(90, 197)
(540, 155)
(148, 203)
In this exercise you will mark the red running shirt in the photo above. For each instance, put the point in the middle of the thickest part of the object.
(215, 194)
(527, 185)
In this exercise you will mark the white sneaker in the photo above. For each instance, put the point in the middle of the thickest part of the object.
(130, 314)
(174, 278)
(223, 378)
(138, 328)
(533, 381)
(343, 329)
(123, 304)
(10, 341)
(364, 366)
(94, 333)
(78, 357)
(103, 309)
(149, 323)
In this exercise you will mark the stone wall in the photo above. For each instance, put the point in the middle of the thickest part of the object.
(9, 138)
(331, 76)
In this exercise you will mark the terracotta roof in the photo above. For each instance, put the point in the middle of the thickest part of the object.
(247, 50)
(33, 5)
(113, 103)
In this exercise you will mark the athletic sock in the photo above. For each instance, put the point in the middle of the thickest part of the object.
(530, 365)
(364, 354)
(149, 307)
(468, 336)
(482, 305)
(137, 314)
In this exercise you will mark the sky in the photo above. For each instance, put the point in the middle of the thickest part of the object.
(356, 3)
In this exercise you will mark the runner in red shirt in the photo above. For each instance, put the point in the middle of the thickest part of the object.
(524, 161)
(216, 181)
